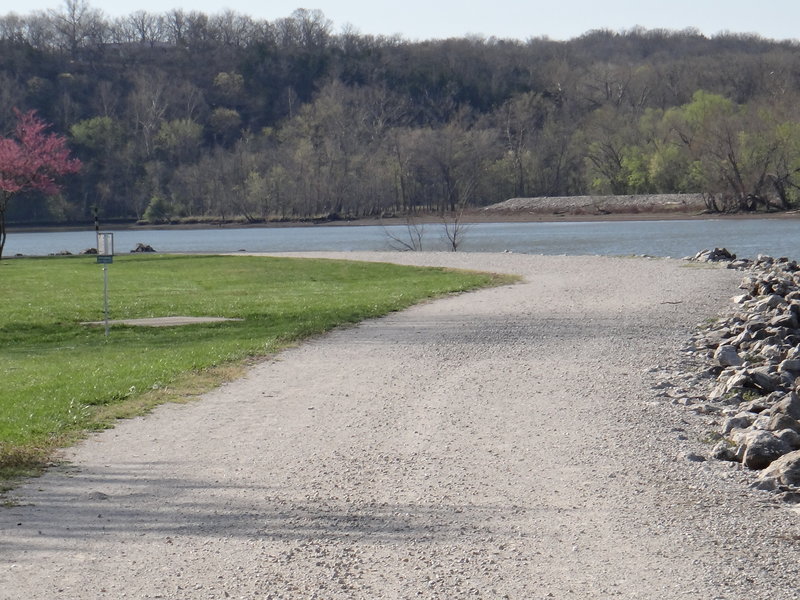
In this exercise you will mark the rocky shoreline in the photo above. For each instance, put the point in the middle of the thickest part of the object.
(746, 374)
(641, 204)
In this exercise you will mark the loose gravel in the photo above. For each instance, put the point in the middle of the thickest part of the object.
(505, 443)
(601, 205)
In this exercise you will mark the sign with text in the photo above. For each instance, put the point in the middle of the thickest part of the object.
(105, 245)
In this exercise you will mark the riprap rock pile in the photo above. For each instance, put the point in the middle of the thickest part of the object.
(720, 255)
(755, 359)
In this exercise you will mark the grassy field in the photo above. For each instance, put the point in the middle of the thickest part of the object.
(59, 378)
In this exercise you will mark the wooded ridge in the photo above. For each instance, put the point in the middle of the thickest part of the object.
(184, 115)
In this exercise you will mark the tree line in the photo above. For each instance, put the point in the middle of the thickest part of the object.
(184, 115)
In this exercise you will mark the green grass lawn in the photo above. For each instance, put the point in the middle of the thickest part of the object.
(59, 378)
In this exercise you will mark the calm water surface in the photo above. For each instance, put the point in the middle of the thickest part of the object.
(745, 237)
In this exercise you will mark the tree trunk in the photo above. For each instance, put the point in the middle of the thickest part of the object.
(2, 232)
(4, 197)
(780, 189)
(711, 202)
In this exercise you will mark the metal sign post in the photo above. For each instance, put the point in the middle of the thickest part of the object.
(105, 256)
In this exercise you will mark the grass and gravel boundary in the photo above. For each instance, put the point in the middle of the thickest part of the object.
(62, 379)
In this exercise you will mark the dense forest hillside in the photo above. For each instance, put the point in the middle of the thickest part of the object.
(188, 115)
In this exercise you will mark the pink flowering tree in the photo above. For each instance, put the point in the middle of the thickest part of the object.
(31, 159)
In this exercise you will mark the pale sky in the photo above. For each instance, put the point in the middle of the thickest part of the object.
(426, 19)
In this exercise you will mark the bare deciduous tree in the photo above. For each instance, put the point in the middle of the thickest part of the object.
(411, 239)
(455, 229)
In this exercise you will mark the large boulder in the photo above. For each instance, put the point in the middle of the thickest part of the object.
(786, 319)
(780, 421)
(761, 448)
(140, 247)
(727, 356)
(715, 255)
(783, 471)
(739, 421)
(790, 437)
(790, 365)
(789, 405)
(770, 301)
(729, 382)
(764, 380)
(723, 451)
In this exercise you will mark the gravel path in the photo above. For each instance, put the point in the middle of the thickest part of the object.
(499, 444)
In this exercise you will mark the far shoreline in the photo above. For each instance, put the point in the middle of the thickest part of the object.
(468, 217)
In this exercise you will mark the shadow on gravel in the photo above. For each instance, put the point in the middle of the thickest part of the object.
(155, 508)
(502, 330)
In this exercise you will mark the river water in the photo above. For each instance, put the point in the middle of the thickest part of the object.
(674, 238)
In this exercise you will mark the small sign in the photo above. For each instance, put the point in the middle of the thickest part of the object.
(105, 244)
(104, 260)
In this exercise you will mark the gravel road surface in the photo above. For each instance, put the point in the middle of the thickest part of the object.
(504, 443)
